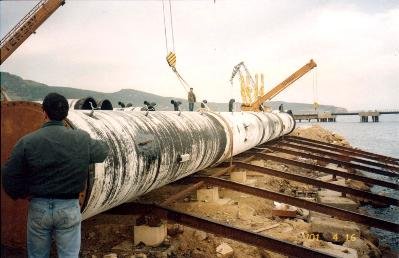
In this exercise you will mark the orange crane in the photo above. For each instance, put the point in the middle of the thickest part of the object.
(257, 105)
(28, 25)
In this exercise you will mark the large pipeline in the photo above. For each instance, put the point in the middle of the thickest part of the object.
(151, 149)
(147, 150)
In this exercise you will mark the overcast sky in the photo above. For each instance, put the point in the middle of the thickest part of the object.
(112, 45)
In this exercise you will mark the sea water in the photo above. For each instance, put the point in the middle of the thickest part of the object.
(381, 138)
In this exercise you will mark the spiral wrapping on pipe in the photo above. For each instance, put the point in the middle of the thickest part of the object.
(146, 147)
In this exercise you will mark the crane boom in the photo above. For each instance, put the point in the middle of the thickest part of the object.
(28, 25)
(256, 106)
(248, 85)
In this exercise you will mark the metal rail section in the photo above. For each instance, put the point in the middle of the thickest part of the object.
(313, 206)
(339, 156)
(315, 182)
(334, 172)
(228, 231)
(344, 152)
(329, 160)
(365, 154)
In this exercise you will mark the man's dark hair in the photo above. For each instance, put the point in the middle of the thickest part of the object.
(56, 106)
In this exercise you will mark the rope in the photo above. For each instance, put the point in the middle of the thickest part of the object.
(171, 56)
(185, 85)
(164, 25)
(171, 25)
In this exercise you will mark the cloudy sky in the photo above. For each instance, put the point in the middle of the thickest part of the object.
(112, 45)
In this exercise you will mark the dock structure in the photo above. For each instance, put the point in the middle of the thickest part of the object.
(331, 117)
(326, 117)
(320, 117)
(364, 116)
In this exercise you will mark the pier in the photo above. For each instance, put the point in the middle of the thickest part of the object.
(331, 117)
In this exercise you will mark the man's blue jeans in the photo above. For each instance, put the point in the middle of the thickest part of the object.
(190, 106)
(56, 218)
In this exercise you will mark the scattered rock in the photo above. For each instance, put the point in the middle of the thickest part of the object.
(174, 229)
(284, 210)
(111, 255)
(200, 235)
(224, 251)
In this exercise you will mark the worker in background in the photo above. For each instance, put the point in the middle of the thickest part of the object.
(50, 167)
(175, 104)
(231, 105)
(149, 106)
(281, 108)
(204, 104)
(191, 100)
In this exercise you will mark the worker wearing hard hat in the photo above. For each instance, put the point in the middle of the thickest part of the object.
(191, 100)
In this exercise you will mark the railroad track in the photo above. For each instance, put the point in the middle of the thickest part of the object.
(349, 159)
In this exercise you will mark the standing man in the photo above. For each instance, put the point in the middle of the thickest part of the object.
(191, 100)
(50, 167)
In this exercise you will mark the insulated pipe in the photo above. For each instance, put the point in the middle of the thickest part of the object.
(151, 149)
(105, 104)
(83, 103)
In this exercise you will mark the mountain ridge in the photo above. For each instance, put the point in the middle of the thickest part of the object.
(18, 88)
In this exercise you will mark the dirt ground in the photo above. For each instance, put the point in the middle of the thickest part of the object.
(103, 233)
(113, 234)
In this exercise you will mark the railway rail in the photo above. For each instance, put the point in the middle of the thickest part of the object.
(269, 151)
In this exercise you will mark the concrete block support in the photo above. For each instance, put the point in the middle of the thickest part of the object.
(241, 177)
(208, 194)
(150, 236)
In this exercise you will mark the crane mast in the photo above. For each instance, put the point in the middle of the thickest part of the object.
(28, 25)
(249, 88)
(257, 105)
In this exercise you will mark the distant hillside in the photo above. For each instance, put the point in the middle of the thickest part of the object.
(20, 89)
